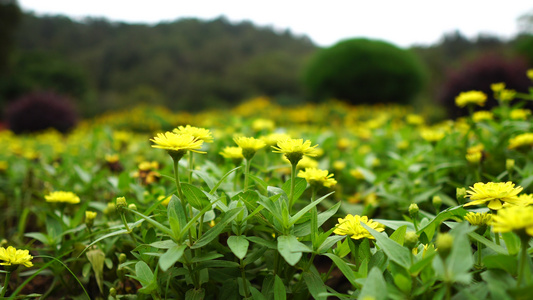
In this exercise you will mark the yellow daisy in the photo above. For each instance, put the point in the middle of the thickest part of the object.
(12, 256)
(471, 97)
(496, 194)
(63, 197)
(516, 218)
(199, 133)
(317, 177)
(177, 144)
(295, 149)
(351, 225)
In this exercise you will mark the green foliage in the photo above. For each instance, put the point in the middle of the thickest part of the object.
(365, 71)
(185, 64)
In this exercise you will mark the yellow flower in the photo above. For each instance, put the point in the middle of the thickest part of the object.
(506, 95)
(90, 215)
(474, 157)
(523, 200)
(497, 87)
(164, 200)
(478, 219)
(431, 135)
(351, 225)
(316, 177)
(177, 144)
(3, 165)
(64, 197)
(416, 120)
(522, 140)
(475, 148)
(111, 158)
(343, 143)
(263, 124)
(233, 153)
(516, 218)
(494, 193)
(529, 74)
(249, 145)
(12, 256)
(470, 97)
(339, 165)
(273, 138)
(482, 115)
(520, 114)
(357, 174)
(295, 149)
(199, 133)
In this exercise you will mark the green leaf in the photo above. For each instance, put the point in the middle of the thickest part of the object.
(279, 289)
(291, 249)
(145, 276)
(166, 244)
(195, 196)
(206, 257)
(393, 250)
(194, 294)
(156, 224)
(176, 216)
(96, 257)
(374, 287)
(214, 189)
(426, 195)
(503, 262)
(344, 267)
(394, 225)
(206, 178)
(302, 211)
(260, 182)
(461, 259)
(490, 244)
(329, 242)
(512, 242)
(84, 176)
(169, 258)
(315, 285)
(399, 235)
(498, 282)
(429, 229)
(299, 187)
(238, 244)
(262, 242)
(213, 233)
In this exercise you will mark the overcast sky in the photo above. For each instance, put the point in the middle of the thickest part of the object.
(402, 22)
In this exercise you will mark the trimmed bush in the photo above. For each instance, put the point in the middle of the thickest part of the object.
(478, 75)
(365, 71)
(39, 111)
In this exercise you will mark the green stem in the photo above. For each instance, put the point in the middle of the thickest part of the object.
(6, 282)
(479, 263)
(293, 182)
(191, 165)
(178, 187)
(497, 238)
(314, 220)
(246, 174)
(244, 281)
(522, 263)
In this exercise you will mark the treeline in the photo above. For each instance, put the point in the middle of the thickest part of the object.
(195, 64)
(186, 64)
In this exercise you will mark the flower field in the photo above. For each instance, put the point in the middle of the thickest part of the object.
(270, 202)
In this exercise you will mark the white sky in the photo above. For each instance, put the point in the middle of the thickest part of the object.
(402, 22)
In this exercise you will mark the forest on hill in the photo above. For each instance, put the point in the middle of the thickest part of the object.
(194, 64)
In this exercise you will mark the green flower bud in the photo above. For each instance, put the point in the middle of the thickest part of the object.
(411, 239)
(437, 202)
(444, 244)
(509, 165)
(122, 258)
(121, 203)
(413, 210)
(112, 292)
(132, 206)
(460, 194)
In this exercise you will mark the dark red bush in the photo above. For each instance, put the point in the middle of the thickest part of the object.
(39, 111)
(478, 75)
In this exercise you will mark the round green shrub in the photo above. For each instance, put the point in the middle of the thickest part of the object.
(364, 71)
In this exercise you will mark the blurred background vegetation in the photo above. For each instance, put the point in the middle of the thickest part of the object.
(191, 64)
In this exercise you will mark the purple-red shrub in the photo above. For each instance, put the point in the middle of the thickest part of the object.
(39, 111)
